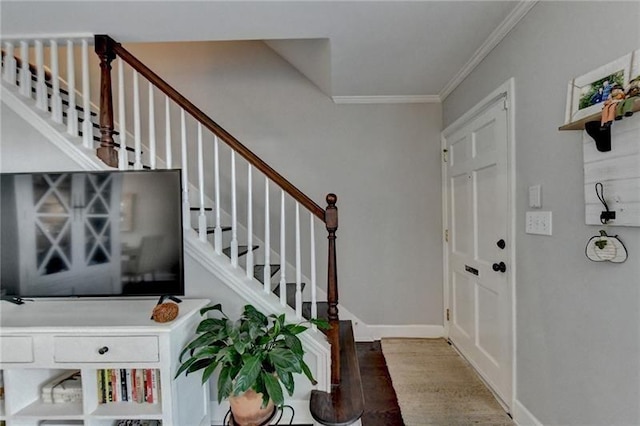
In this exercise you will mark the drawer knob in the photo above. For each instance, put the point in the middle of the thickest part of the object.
(103, 350)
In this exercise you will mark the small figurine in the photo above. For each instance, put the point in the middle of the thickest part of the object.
(609, 109)
(165, 312)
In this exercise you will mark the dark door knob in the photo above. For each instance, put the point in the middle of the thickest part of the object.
(501, 244)
(103, 350)
(501, 267)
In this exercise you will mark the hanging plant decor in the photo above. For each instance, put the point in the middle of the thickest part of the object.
(607, 248)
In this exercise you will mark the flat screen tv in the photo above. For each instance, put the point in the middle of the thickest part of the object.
(97, 233)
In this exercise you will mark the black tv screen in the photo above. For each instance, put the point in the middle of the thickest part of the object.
(98, 233)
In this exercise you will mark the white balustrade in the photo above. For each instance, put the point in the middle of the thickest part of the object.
(25, 73)
(9, 71)
(298, 306)
(167, 133)
(283, 260)
(218, 231)
(249, 263)
(56, 100)
(137, 132)
(312, 251)
(152, 129)
(234, 213)
(267, 240)
(202, 218)
(123, 160)
(72, 111)
(87, 126)
(41, 87)
(186, 207)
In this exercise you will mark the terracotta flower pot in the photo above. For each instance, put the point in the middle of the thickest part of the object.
(247, 409)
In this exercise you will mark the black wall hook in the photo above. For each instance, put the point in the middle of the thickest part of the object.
(606, 215)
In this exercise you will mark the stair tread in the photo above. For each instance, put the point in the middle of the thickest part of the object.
(345, 404)
(323, 308)
(212, 229)
(291, 293)
(242, 250)
(258, 271)
(195, 209)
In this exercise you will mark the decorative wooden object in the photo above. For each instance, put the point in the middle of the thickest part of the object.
(165, 312)
(106, 152)
(331, 219)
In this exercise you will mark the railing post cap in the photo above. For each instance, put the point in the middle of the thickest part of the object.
(332, 199)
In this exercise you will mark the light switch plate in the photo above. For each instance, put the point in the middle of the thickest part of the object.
(538, 223)
(535, 196)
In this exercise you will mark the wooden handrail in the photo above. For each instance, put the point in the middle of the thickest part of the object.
(214, 127)
(32, 68)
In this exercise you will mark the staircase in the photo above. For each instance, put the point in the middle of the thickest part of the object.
(211, 190)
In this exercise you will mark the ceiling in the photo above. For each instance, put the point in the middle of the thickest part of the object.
(354, 51)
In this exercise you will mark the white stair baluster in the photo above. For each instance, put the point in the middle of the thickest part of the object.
(87, 126)
(249, 264)
(137, 133)
(25, 74)
(234, 213)
(167, 133)
(56, 100)
(267, 240)
(283, 260)
(152, 129)
(298, 266)
(216, 165)
(312, 251)
(186, 207)
(9, 71)
(41, 88)
(72, 112)
(202, 218)
(123, 160)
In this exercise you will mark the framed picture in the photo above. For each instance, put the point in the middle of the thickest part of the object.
(586, 93)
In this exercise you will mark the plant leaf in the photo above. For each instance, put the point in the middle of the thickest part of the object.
(320, 323)
(225, 384)
(307, 372)
(185, 365)
(287, 380)
(206, 374)
(285, 360)
(273, 388)
(217, 307)
(247, 375)
(294, 344)
(295, 329)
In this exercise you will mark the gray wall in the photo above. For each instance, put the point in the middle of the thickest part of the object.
(578, 322)
(381, 160)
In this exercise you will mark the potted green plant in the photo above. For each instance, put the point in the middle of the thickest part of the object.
(257, 355)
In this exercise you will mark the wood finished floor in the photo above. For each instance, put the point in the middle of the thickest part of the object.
(380, 402)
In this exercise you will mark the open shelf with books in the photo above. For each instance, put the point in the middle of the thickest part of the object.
(98, 374)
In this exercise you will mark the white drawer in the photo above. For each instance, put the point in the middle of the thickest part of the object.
(16, 349)
(105, 349)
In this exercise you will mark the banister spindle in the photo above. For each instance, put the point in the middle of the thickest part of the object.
(249, 264)
(87, 127)
(234, 213)
(137, 133)
(312, 255)
(25, 73)
(186, 207)
(331, 220)
(167, 133)
(202, 218)
(152, 129)
(106, 152)
(41, 88)
(216, 169)
(298, 266)
(72, 111)
(9, 71)
(56, 100)
(267, 240)
(283, 257)
(123, 157)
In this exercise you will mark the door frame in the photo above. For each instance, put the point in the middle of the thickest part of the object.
(506, 90)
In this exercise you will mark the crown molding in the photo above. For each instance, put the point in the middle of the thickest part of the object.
(400, 99)
(516, 15)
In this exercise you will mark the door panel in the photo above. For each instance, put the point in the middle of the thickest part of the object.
(477, 215)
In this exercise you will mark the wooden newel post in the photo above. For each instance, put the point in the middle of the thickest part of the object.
(331, 220)
(106, 152)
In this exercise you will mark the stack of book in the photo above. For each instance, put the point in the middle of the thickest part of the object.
(67, 387)
(135, 385)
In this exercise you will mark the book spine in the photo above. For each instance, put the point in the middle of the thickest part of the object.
(123, 385)
(155, 386)
(140, 386)
(109, 381)
(100, 378)
(115, 377)
(148, 390)
(132, 382)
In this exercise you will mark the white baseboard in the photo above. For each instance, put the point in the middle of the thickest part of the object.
(522, 416)
(376, 332)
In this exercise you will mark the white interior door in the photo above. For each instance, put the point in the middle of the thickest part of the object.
(479, 276)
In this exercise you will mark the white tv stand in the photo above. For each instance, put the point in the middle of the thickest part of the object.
(41, 339)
